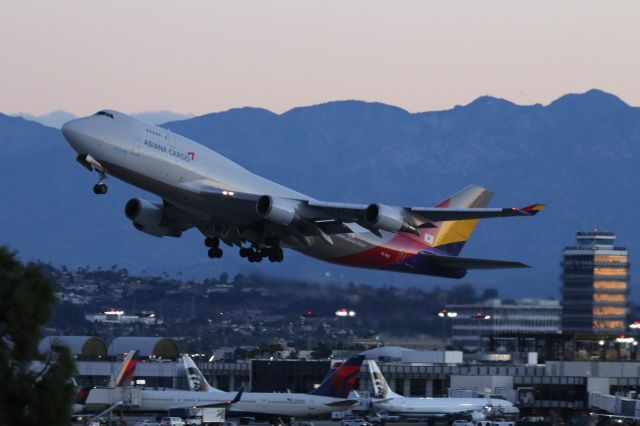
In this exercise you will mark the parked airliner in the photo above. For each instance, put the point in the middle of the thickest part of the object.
(409, 407)
(331, 395)
(199, 188)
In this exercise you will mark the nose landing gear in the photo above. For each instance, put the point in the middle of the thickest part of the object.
(100, 188)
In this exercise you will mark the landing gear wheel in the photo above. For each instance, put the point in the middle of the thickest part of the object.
(100, 189)
(212, 242)
(215, 253)
(275, 254)
(254, 256)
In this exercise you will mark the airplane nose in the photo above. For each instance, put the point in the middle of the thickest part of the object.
(71, 130)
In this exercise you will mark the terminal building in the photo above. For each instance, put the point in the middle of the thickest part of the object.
(495, 324)
(595, 285)
(563, 386)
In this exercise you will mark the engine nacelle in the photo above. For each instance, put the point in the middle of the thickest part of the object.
(277, 210)
(385, 217)
(148, 217)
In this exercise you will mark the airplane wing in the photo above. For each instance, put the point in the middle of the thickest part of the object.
(344, 403)
(314, 217)
(470, 263)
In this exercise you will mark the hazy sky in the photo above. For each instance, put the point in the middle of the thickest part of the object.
(204, 56)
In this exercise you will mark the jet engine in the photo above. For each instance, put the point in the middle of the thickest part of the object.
(277, 210)
(384, 217)
(148, 217)
(388, 218)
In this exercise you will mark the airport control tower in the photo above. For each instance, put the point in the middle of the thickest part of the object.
(595, 276)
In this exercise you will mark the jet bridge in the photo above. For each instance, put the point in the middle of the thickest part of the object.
(129, 397)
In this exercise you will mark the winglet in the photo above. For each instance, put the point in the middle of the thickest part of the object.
(533, 209)
(237, 397)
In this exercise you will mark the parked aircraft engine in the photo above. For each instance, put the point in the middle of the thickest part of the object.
(148, 217)
(277, 210)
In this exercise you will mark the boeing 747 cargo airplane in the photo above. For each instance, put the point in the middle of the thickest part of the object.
(199, 188)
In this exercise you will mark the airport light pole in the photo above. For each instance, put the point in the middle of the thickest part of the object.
(443, 315)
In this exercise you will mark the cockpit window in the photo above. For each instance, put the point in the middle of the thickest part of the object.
(108, 114)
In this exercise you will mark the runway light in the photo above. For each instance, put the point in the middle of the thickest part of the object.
(487, 317)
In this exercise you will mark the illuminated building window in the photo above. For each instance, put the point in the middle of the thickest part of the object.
(608, 310)
(610, 285)
(608, 325)
(603, 258)
(609, 297)
(610, 271)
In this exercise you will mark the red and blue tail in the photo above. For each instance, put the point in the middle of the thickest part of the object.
(124, 377)
(339, 383)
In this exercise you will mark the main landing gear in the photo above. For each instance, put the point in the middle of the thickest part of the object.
(215, 252)
(100, 188)
(254, 254)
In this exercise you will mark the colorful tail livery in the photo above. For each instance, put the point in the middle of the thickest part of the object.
(450, 236)
(195, 378)
(381, 389)
(339, 383)
(127, 371)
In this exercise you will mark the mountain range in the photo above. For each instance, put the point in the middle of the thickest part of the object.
(578, 155)
(57, 118)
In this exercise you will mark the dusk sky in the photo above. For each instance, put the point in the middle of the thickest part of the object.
(206, 56)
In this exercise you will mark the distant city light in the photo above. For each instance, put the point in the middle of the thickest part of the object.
(634, 325)
(345, 313)
(444, 313)
(601, 342)
(623, 339)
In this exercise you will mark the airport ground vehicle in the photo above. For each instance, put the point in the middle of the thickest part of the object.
(355, 421)
(146, 422)
(172, 421)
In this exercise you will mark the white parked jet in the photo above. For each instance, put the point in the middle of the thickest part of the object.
(409, 407)
(331, 395)
(201, 189)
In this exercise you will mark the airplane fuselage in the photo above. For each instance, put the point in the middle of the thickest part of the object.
(251, 403)
(434, 407)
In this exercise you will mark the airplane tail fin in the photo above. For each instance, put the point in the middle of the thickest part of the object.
(450, 236)
(127, 371)
(339, 383)
(381, 389)
(195, 378)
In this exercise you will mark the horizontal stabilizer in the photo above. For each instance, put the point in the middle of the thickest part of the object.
(454, 262)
